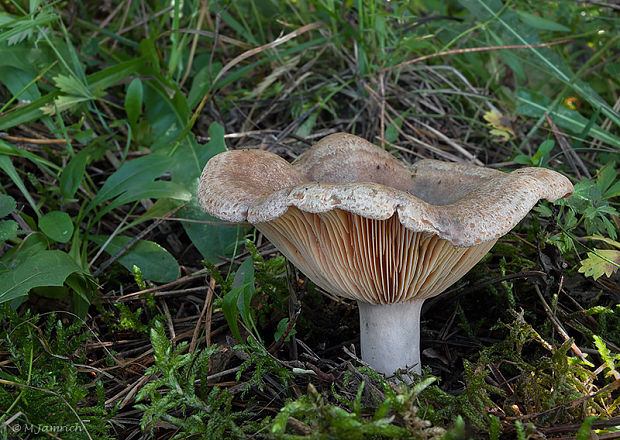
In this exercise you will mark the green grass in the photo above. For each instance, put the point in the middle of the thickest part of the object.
(127, 311)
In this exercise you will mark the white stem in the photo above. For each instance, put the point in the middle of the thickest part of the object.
(390, 335)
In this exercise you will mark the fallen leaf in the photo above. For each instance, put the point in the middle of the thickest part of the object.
(498, 125)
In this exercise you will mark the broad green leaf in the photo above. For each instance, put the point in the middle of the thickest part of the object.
(133, 100)
(53, 292)
(306, 127)
(281, 328)
(43, 268)
(28, 59)
(133, 176)
(32, 244)
(541, 157)
(540, 23)
(166, 114)
(57, 225)
(8, 230)
(7, 205)
(17, 80)
(73, 173)
(600, 262)
(155, 190)
(201, 83)
(155, 262)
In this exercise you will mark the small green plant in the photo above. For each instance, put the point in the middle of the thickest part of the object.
(326, 420)
(591, 205)
(42, 389)
(172, 396)
(262, 362)
(237, 301)
(541, 158)
(129, 320)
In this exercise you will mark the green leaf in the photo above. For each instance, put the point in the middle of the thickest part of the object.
(536, 105)
(20, 83)
(133, 100)
(155, 262)
(27, 113)
(585, 430)
(237, 301)
(102, 79)
(7, 205)
(83, 286)
(281, 328)
(600, 262)
(540, 23)
(32, 244)
(542, 154)
(245, 278)
(134, 180)
(70, 85)
(73, 174)
(8, 230)
(44, 268)
(231, 312)
(156, 190)
(57, 225)
(9, 169)
(614, 191)
(23, 28)
(606, 177)
(201, 83)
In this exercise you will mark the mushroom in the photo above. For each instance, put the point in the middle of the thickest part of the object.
(362, 225)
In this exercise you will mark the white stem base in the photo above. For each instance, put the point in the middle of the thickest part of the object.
(390, 335)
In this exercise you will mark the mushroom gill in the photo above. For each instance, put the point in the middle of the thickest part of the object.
(374, 261)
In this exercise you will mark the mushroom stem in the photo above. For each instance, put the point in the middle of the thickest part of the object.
(390, 335)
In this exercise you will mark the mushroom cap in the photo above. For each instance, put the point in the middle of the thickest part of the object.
(361, 224)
